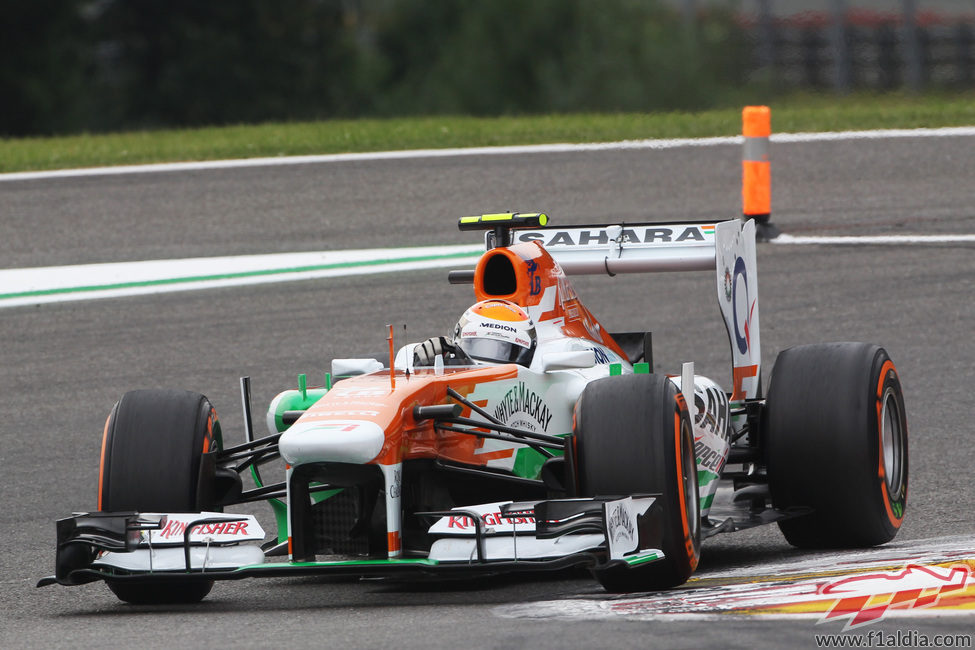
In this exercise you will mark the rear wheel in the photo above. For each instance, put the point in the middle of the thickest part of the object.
(836, 440)
(153, 461)
(634, 436)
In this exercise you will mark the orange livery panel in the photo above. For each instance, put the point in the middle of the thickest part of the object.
(370, 398)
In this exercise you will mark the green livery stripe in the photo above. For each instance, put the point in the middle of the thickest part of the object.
(528, 462)
(705, 476)
(287, 565)
(643, 559)
(706, 502)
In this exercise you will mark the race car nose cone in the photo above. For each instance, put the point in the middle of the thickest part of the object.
(337, 441)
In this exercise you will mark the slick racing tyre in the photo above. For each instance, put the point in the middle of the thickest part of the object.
(152, 452)
(836, 441)
(633, 436)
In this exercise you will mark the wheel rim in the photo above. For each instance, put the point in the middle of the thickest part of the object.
(689, 479)
(892, 441)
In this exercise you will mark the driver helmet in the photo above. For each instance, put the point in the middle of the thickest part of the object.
(496, 331)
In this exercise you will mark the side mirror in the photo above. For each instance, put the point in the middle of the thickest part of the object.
(347, 367)
(568, 360)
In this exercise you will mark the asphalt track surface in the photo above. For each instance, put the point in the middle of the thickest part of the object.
(62, 366)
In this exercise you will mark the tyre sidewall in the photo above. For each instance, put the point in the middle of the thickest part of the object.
(151, 461)
(152, 451)
(633, 435)
(823, 444)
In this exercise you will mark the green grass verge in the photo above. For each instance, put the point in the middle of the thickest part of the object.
(793, 114)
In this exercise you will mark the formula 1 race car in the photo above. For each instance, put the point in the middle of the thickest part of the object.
(533, 439)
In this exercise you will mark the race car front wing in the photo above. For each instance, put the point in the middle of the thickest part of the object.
(485, 539)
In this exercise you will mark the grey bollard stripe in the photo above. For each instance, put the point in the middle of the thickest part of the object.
(756, 149)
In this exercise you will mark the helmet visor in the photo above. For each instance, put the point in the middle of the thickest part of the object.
(496, 350)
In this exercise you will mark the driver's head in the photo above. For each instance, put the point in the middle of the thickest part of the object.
(496, 331)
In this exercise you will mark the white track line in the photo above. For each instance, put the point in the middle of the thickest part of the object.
(483, 151)
(367, 156)
(861, 240)
(35, 286)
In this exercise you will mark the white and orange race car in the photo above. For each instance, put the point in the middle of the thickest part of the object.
(531, 439)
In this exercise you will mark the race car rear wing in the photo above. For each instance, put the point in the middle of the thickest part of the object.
(727, 247)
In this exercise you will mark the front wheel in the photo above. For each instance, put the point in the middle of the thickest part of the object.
(836, 441)
(152, 452)
(634, 436)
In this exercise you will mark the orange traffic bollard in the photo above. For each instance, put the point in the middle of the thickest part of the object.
(756, 180)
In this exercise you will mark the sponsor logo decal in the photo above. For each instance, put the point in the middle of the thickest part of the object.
(707, 458)
(359, 413)
(174, 530)
(599, 237)
(489, 519)
(174, 527)
(395, 489)
(534, 281)
(620, 526)
(711, 406)
(497, 326)
(601, 356)
(521, 399)
(621, 519)
(742, 334)
(333, 427)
